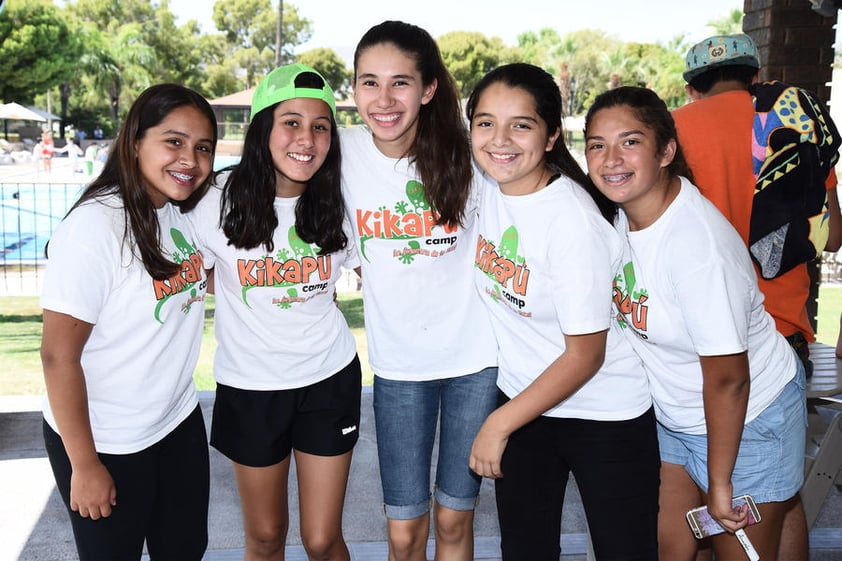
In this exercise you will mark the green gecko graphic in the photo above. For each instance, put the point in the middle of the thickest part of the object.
(190, 305)
(415, 192)
(507, 249)
(299, 247)
(285, 305)
(508, 243)
(498, 295)
(629, 277)
(182, 245)
(494, 259)
(409, 257)
(183, 251)
(418, 200)
(626, 284)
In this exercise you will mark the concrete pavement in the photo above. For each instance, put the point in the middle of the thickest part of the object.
(34, 525)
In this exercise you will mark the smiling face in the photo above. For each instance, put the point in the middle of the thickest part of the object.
(299, 143)
(389, 93)
(510, 140)
(176, 156)
(624, 161)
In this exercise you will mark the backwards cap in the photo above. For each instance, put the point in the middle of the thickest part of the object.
(279, 85)
(718, 51)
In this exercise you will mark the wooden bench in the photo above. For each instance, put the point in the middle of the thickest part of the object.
(823, 452)
(827, 372)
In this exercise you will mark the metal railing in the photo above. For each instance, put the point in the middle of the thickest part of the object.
(29, 212)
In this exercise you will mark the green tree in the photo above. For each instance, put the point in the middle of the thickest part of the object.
(728, 24)
(332, 67)
(129, 45)
(126, 60)
(173, 56)
(469, 56)
(538, 47)
(582, 68)
(659, 67)
(220, 70)
(249, 27)
(30, 62)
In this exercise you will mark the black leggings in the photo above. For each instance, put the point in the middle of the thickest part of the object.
(162, 498)
(617, 471)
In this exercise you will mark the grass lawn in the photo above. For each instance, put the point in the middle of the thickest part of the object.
(20, 341)
(20, 338)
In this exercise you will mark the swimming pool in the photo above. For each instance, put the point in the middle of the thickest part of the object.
(29, 212)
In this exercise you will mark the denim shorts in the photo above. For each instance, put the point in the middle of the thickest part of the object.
(770, 462)
(405, 417)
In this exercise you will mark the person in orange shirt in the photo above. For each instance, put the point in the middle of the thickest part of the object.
(734, 133)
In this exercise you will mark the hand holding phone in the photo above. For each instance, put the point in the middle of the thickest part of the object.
(704, 525)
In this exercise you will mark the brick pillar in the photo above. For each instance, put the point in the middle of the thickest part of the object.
(796, 47)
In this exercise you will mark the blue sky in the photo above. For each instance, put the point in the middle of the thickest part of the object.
(339, 24)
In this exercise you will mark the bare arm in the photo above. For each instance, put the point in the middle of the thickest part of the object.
(580, 360)
(725, 396)
(92, 491)
(209, 275)
(834, 238)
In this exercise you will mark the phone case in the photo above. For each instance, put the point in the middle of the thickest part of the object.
(703, 524)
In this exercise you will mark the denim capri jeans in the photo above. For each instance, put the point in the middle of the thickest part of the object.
(406, 415)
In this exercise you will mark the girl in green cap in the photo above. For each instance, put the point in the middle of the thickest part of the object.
(288, 377)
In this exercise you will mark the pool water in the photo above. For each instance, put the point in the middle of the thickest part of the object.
(29, 212)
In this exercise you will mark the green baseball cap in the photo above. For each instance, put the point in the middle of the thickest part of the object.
(279, 85)
(720, 50)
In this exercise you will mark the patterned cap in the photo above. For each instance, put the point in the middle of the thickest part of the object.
(720, 50)
(279, 85)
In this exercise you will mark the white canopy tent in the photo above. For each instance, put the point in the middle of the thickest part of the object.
(16, 112)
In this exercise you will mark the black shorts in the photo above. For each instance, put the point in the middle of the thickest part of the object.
(259, 428)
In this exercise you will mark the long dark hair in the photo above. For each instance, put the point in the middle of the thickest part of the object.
(247, 213)
(440, 150)
(651, 110)
(121, 174)
(541, 86)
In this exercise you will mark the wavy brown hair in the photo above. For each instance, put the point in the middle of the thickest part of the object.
(440, 149)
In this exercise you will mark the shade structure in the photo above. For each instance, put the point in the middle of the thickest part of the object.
(16, 112)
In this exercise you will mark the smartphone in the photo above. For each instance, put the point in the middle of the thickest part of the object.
(703, 524)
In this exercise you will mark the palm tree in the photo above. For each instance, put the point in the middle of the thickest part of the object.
(279, 33)
(115, 62)
(729, 24)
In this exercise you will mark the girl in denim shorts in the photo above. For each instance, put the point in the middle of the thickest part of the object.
(728, 389)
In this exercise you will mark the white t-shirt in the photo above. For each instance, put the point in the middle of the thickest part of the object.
(276, 323)
(687, 288)
(423, 318)
(139, 359)
(544, 266)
